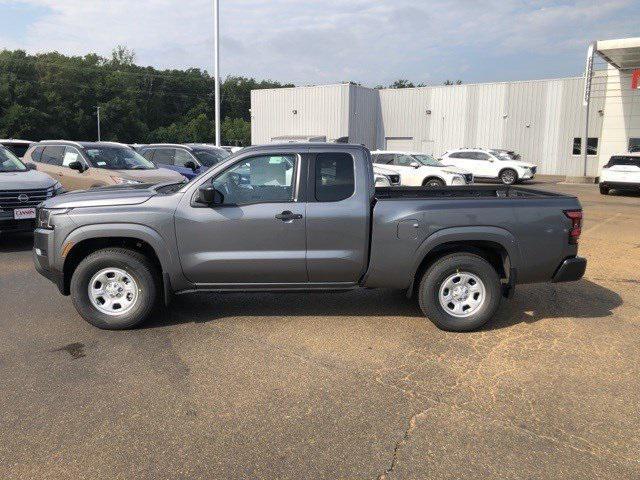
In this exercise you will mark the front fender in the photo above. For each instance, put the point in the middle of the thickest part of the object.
(167, 256)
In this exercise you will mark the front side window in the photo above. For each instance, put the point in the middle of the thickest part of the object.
(9, 162)
(53, 155)
(383, 158)
(117, 158)
(163, 156)
(481, 156)
(70, 155)
(210, 157)
(334, 177)
(181, 157)
(264, 179)
(404, 160)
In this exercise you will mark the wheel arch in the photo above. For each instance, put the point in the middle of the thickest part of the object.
(433, 177)
(496, 245)
(513, 169)
(84, 241)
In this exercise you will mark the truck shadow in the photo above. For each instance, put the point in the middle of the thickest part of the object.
(531, 303)
(16, 242)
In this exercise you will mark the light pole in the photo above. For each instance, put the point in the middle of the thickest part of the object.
(98, 112)
(216, 64)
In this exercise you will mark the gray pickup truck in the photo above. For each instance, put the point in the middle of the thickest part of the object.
(303, 217)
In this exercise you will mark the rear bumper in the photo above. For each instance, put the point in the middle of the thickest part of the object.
(621, 185)
(570, 270)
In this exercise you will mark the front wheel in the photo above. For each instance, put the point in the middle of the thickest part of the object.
(508, 176)
(433, 183)
(460, 292)
(115, 288)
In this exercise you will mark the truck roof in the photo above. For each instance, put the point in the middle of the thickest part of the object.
(306, 145)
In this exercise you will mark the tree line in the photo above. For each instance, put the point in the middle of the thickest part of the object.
(55, 96)
(51, 96)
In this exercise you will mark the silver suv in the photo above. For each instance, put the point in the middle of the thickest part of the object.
(21, 189)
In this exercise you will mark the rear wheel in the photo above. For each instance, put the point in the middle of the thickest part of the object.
(460, 292)
(604, 190)
(433, 183)
(508, 176)
(115, 288)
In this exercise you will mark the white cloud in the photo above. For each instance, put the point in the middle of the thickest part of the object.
(325, 41)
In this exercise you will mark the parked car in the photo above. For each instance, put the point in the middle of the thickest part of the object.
(491, 164)
(21, 189)
(82, 165)
(382, 176)
(306, 218)
(189, 159)
(420, 169)
(18, 147)
(622, 172)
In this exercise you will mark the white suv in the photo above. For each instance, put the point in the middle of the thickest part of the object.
(419, 169)
(491, 163)
(621, 173)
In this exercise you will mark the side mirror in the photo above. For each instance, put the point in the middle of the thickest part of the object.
(209, 195)
(31, 166)
(76, 166)
(192, 165)
(415, 164)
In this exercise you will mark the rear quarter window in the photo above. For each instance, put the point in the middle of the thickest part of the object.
(334, 177)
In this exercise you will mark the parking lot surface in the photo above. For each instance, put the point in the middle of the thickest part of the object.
(346, 385)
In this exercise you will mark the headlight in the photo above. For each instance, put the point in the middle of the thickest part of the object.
(46, 216)
(458, 180)
(382, 181)
(124, 181)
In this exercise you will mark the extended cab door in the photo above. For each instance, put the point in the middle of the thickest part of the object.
(257, 235)
(338, 212)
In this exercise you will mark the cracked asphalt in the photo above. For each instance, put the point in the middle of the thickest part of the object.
(348, 385)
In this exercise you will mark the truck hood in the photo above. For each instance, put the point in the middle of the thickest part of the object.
(103, 197)
(383, 171)
(453, 169)
(155, 175)
(31, 179)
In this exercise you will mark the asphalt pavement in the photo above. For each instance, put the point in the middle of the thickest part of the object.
(346, 385)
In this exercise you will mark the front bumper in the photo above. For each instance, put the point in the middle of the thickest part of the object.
(43, 247)
(8, 224)
(621, 185)
(570, 270)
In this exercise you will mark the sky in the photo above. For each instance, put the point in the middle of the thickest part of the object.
(317, 42)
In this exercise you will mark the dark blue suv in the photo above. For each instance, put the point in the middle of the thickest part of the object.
(190, 159)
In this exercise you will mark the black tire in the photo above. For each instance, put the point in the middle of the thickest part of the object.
(433, 183)
(509, 176)
(604, 190)
(136, 265)
(439, 272)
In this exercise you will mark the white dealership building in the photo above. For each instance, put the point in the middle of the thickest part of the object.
(543, 120)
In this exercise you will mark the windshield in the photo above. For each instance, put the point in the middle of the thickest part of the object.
(9, 162)
(117, 158)
(505, 155)
(211, 156)
(623, 160)
(428, 160)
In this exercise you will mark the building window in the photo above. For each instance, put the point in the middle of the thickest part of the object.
(592, 146)
(634, 144)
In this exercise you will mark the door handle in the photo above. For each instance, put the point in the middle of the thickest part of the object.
(288, 215)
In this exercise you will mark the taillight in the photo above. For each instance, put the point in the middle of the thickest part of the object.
(576, 225)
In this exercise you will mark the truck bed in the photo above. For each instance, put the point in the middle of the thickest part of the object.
(467, 191)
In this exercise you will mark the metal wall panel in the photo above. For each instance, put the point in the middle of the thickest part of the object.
(320, 110)
(538, 119)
